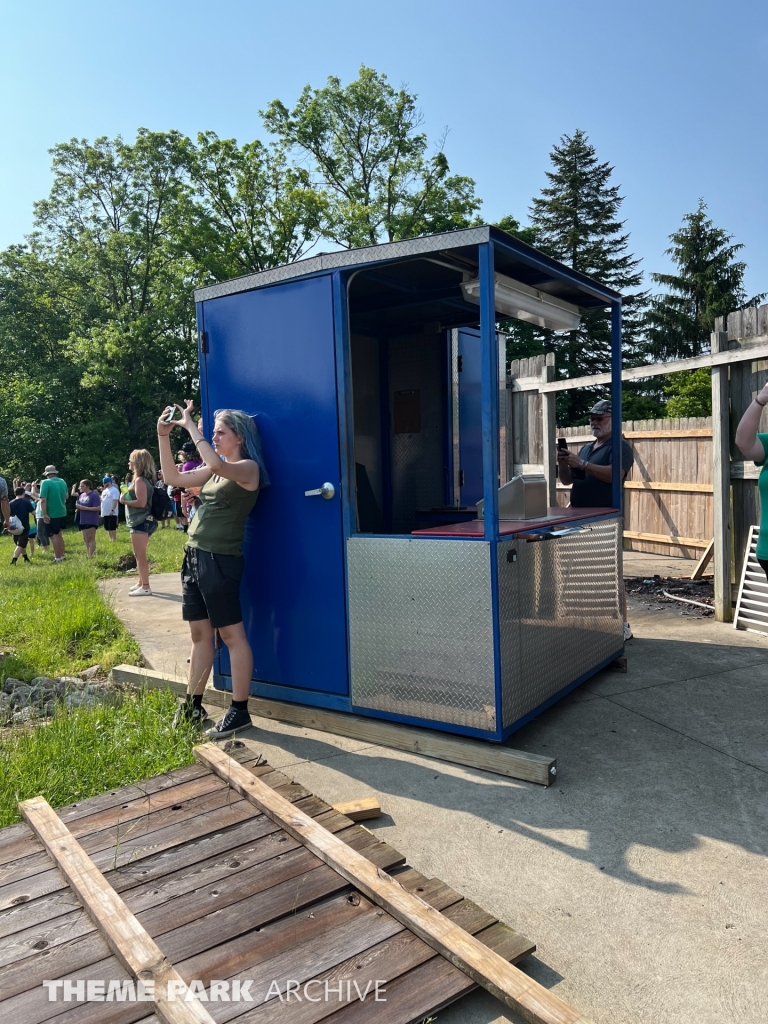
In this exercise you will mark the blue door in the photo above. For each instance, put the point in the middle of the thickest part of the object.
(470, 418)
(271, 353)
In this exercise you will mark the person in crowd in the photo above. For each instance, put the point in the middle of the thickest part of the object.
(28, 487)
(230, 481)
(53, 494)
(88, 505)
(754, 446)
(22, 508)
(138, 514)
(5, 505)
(110, 503)
(164, 523)
(591, 472)
(42, 534)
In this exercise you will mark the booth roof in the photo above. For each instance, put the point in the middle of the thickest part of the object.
(513, 258)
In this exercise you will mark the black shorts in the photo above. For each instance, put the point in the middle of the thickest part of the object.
(210, 587)
(56, 526)
(87, 526)
(109, 522)
(22, 539)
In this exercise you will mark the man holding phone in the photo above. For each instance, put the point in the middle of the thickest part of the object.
(591, 471)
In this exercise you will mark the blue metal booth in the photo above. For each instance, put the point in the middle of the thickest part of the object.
(371, 586)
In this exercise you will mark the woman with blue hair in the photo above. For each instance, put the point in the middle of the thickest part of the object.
(230, 480)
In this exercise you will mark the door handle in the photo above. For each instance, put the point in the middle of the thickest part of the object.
(327, 491)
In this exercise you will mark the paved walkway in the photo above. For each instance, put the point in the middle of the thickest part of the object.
(641, 874)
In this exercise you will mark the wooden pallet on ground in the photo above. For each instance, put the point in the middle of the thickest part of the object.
(234, 875)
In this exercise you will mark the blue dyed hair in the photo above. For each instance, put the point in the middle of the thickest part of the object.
(250, 439)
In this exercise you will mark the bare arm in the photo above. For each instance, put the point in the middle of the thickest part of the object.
(567, 460)
(5, 505)
(140, 490)
(171, 472)
(747, 441)
(244, 472)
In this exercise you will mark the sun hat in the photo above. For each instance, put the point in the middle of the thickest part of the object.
(50, 471)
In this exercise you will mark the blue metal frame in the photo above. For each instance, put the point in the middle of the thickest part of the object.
(616, 494)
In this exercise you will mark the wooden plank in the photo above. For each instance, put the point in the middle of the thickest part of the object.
(481, 964)
(756, 349)
(721, 466)
(704, 561)
(683, 488)
(360, 810)
(491, 757)
(133, 947)
(549, 431)
(86, 952)
(660, 538)
(659, 435)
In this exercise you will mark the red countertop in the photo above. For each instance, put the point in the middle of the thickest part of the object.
(556, 517)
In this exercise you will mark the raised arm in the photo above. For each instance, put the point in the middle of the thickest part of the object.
(747, 441)
(171, 472)
(244, 471)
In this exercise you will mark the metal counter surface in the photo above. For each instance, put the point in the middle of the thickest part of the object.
(509, 527)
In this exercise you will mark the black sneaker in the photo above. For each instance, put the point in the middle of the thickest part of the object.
(234, 720)
(188, 712)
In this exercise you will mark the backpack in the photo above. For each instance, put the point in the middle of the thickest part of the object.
(160, 507)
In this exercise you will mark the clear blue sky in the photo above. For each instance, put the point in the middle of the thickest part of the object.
(673, 93)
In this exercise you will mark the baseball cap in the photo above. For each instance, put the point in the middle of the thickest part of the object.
(188, 447)
(601, 408)
(106, 479)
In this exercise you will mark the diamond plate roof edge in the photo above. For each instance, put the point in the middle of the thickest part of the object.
(347, 258)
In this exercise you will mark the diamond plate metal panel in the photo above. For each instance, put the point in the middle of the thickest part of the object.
(569, 610)
(509, 626)
(421, 629)
(348, 258)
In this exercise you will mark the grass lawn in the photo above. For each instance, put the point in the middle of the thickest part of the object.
(53, 620)
(82, 752)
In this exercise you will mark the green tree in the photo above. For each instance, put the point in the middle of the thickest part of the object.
(576, 222)
(105, 230)
(689, 393)
(247, 209)
(709, 283)
(370, 161)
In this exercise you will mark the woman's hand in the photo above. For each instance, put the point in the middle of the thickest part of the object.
(187, 420)
(164, 428)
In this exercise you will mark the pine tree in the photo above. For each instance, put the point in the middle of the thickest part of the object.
(709, 283)
(576, 222)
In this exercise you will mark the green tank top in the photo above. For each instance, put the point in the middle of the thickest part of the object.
(219, 522)
(134, 516)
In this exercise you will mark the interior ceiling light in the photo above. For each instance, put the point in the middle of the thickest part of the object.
(523, 303)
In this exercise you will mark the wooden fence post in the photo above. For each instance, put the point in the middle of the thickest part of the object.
(549, 429)
(721, 479)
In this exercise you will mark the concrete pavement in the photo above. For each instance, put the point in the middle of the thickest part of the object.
(641, 875)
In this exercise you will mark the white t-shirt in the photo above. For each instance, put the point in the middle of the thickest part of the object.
(110, 497)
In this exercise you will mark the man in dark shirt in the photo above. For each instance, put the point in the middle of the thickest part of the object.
(22, 508)
(591, 471)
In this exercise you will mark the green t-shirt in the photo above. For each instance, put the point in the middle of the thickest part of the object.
(762, 486)
(219, 523)
(54, 490)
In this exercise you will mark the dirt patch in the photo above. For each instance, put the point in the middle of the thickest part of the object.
(652, 592)
(125, 563)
